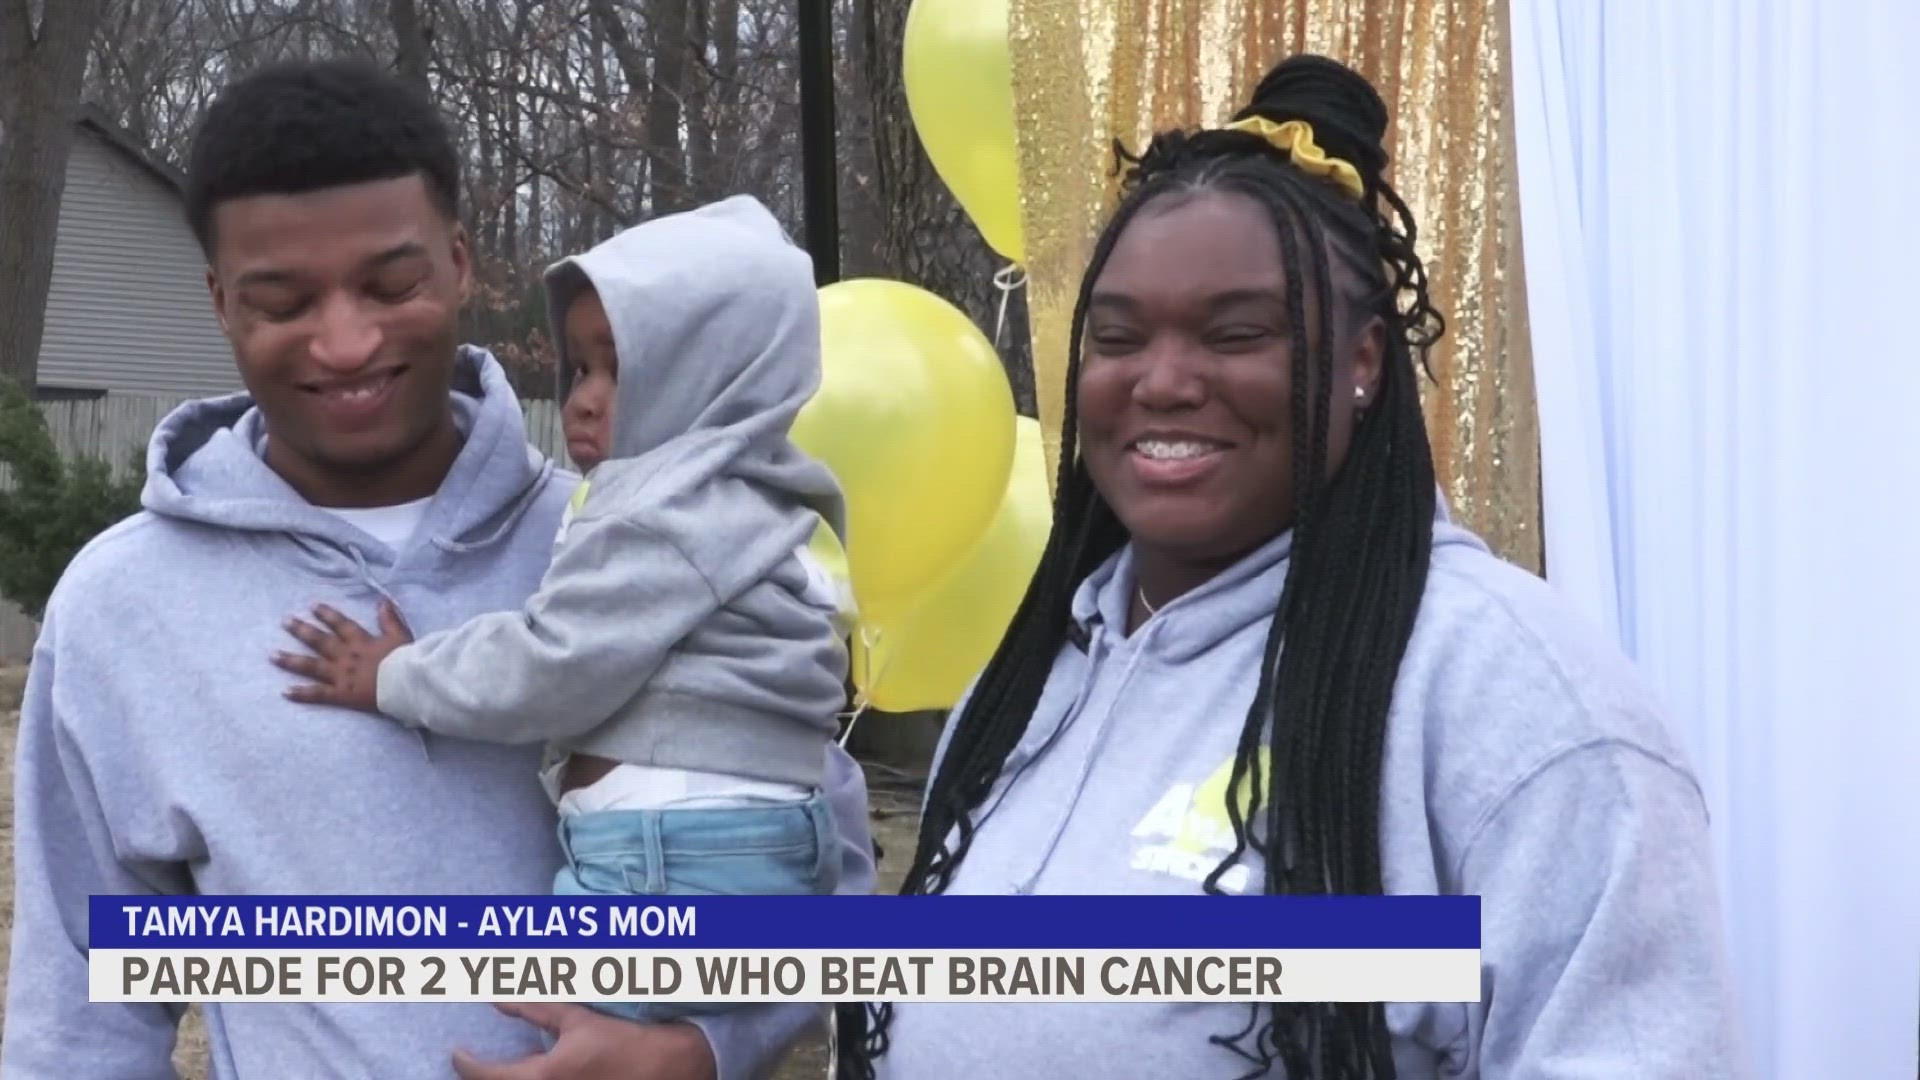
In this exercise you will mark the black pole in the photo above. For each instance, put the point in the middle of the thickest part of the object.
(818, 162)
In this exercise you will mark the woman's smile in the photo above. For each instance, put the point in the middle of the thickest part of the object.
(1175, 459)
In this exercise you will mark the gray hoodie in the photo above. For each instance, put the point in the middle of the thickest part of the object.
(681, 623)
(1523, 763)
(158, 754)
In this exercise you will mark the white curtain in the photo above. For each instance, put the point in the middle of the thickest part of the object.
(1722, 250)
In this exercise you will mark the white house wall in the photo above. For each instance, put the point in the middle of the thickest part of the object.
(127, 310)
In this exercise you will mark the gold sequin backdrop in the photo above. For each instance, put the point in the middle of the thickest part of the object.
(1088, 71)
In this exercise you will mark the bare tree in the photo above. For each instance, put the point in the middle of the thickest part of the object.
(721, 98)
(41, 70)
(925, 237)
(656, 75)
(861, 221)
(666, 165)
(139, 65)
(578, 117)
(411, 38)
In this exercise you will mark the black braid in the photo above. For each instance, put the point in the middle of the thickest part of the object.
(1356, 573)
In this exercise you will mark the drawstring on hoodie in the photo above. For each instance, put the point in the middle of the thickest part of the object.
(452, 546)
(1135, 649)
(505, 529)
(1089, 678)
(371, 582)
(206, 464)
(330, 553)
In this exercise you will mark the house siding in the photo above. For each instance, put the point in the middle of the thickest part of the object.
(127, 310)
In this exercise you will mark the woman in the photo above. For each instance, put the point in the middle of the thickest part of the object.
(1257, 656)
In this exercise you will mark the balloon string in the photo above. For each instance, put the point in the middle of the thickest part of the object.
(869, 637)
(859, 709)
(1006, 279)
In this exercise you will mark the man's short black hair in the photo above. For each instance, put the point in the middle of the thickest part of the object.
(301, 127)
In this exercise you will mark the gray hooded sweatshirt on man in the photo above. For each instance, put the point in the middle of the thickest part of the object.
(682, 623)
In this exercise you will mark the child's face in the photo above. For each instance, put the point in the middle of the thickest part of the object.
(588, 418)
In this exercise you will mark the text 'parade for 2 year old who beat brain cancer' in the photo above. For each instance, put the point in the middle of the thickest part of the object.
(747, 949)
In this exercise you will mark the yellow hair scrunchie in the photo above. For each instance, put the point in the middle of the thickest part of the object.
(1296, 138)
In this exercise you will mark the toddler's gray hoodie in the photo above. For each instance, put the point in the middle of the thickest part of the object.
(681, 623)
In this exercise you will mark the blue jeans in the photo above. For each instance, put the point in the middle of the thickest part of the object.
(761, 849)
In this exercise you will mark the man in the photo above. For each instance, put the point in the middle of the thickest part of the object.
(372, 458)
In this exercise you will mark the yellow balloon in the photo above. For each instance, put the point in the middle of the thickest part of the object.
(915, 418)
(959, 75)
(926, 660)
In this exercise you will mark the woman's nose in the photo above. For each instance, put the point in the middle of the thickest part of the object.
(1171, 380)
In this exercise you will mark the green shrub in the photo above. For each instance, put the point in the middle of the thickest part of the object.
(50, 508)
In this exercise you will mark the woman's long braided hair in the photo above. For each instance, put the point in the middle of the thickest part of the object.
(1357, 570)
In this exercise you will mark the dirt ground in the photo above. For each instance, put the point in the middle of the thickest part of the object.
(894, 798)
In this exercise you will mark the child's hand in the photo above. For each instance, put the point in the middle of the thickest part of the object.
(346, 661)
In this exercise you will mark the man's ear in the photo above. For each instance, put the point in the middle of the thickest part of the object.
(462, 263)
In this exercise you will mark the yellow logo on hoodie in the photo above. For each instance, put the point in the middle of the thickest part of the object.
(1187, 833)
(573, 507)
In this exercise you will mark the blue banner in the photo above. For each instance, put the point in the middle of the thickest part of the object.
(783, 923)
